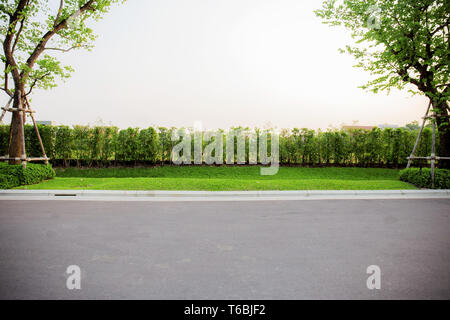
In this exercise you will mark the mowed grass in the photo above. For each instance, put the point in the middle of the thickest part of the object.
(224, 178)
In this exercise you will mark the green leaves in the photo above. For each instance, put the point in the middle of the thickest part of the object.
(15, 175)
(422, 177)
(85, 144)
(409, 46)
(42, 30)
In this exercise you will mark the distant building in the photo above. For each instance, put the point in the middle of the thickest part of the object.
(368, 128)
(46, 123)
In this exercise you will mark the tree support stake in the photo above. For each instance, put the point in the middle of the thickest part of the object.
(22, 112)
(433, 156)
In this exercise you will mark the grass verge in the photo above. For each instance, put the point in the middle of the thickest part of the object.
(224, 178)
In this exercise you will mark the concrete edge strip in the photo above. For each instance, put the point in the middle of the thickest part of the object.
(156, 195)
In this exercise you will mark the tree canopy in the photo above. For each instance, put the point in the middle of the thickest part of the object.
(399, 42)
(35, 30)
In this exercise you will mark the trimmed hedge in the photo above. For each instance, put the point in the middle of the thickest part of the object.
(8, 181)
(109, 145)
(15, 175)
(422, 177)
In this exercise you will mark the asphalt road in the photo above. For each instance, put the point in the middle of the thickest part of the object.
(225, 250)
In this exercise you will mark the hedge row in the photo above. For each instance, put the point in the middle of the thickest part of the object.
(422, 177)
(102, 145)
(15, 175)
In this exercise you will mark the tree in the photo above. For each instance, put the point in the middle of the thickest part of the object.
(401, 43)
(413, 126)
(33, 31)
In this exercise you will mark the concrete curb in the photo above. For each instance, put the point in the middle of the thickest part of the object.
(156, 195)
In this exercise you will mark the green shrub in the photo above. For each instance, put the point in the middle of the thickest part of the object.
(35, 173)
(81, 137)
(85, 144)
(422, 177)
(127, 144)
(63, 142)
(8, 181)
(148, 145)
(4, 137)
(15, 175)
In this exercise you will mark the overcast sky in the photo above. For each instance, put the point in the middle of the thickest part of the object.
(221, 62)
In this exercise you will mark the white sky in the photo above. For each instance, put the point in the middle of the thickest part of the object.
(221, 62)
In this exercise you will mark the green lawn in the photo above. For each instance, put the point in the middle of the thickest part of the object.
(224, 178)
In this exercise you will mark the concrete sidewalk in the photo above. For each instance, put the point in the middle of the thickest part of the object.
(156, 195)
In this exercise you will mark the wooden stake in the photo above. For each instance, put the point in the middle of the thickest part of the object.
(4, 109)
(433, 156)
(22, 112)
(418, 137)
(37, 130)
(433, 152)
(24, 155)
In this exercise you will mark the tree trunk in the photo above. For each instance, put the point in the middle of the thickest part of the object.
(443, 127)
(17, 143)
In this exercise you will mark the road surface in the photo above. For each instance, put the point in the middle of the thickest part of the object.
(225, 250)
